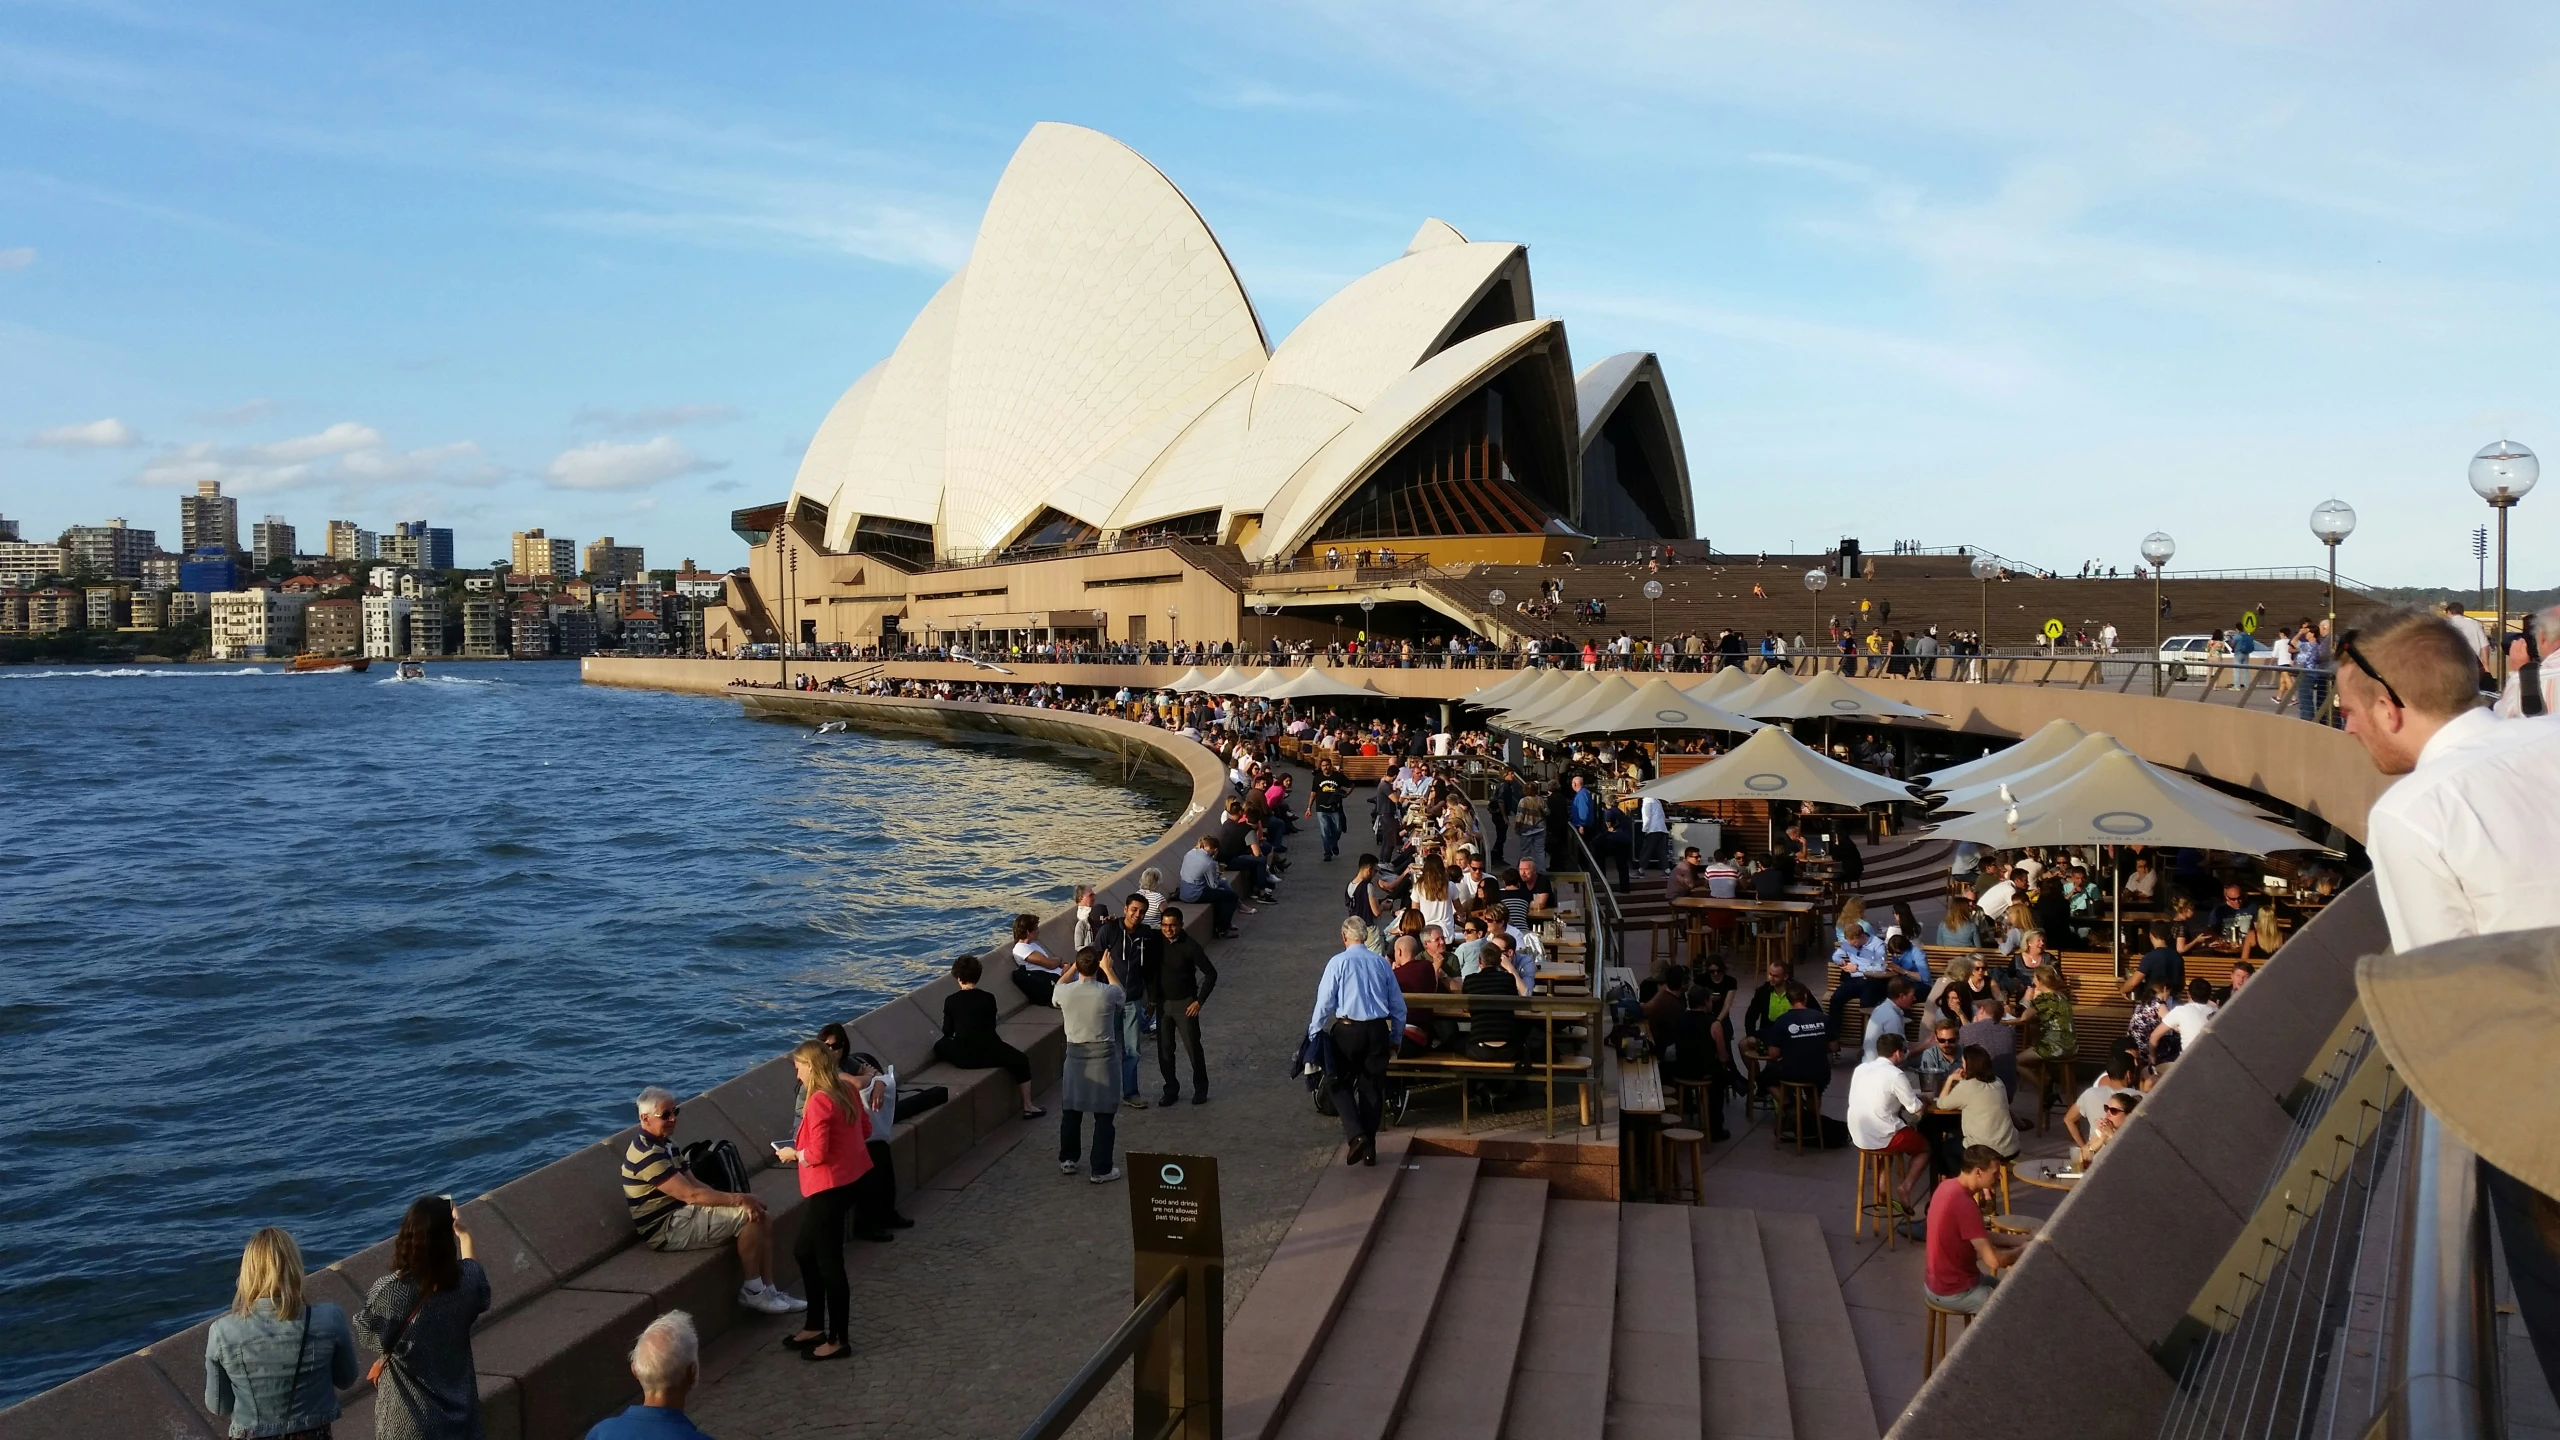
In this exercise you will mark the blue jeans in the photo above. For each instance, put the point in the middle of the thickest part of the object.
(1071, 1140)
(2308, 695)
(1132, 1026)
(1329, 826)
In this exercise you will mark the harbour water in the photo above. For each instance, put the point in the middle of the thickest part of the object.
(296, 949)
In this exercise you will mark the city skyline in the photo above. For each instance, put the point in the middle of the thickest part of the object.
(2040, 285)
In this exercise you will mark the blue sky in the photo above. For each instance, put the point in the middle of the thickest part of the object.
(2031, 277)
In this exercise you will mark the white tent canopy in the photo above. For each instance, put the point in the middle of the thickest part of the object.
(1828, 697)
(1660, 705)
(1499, 694)
(1566, 696)
(1547, 687)
(1747, 699)
(2122, 799)
(1717, 687)
(1316, 682)
(1566, 717)
(2056, 737)
(1225, 682)
(1193, 681)
(2026, 786)
(1261, 683)
(1773, 765)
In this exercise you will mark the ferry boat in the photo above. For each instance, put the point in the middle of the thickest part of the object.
(356, 663)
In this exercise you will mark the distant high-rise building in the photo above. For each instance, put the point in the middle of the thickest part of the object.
(208, 520)
(333, 627)
(8, 528)
(349, 541)
(113, 549)
(426, 625)
(611, 564)
(484, 626)
(414, 543)
(22, 563)
(160, 570)
(257, 624)
(268, 539)
(535, 553)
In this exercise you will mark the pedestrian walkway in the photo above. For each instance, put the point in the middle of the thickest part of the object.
(969, 1323)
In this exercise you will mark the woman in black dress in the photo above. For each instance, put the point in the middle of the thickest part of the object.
(969, 1039)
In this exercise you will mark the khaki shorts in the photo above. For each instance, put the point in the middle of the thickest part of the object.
(700, 1227)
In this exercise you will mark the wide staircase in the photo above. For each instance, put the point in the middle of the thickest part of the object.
(1429, 1300)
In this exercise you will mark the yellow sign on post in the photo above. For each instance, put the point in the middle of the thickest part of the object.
(2248, 622)
(2053, 629)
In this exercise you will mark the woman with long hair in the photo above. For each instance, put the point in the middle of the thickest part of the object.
(1431, 896)
(418, 1319)
(1853, 911)
(2263, 936)
(274, 1364)
(1960, 928)
(832, 1151)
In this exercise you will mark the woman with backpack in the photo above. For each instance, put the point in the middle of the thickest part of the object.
(418, 1320)
(275, 1363)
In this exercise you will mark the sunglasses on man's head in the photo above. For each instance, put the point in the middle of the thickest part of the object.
(2347, 651)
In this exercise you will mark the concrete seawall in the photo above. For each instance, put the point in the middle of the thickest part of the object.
(571, 1287)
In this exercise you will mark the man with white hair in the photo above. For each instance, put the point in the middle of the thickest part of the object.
(667, 1361)
(2527, 669)
(1360, 1011)
(674, 1211)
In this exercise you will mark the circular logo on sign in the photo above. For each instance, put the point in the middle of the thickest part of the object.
(1846, 706)
(1671, 717)
(2249, 622)
(1764, 783)
(1172, 1174)
(2121, 822)
(2053, 629)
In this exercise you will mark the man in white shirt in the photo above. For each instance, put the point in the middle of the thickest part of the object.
(2189, 1018)
(2462, 843)
(1996, 900)
(1889, 1018)
(1882, 1105)
(2473, 633)
(1653, 845)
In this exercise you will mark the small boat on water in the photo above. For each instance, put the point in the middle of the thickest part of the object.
(413, 670)
(356, 663)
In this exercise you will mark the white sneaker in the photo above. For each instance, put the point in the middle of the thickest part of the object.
(1068, 1167)
(1107, 1176)
(770, 1301)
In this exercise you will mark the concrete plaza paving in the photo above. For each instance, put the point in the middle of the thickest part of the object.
(968, 1324)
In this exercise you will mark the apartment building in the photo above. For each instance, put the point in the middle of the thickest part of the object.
(269, 539)
(257, 624)
(114, 550)
(208, 520)
(333, 627)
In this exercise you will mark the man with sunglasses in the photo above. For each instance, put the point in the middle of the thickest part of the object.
(2462, 842)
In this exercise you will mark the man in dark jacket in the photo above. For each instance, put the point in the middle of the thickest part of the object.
(1507, 795)
(1330, 789)
(1184, 978)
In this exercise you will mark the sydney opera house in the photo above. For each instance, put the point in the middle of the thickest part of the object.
(1088, 429)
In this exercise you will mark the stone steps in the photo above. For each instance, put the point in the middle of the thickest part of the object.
(1484, 1309)
(1742, 1376)
(1826, 1383)
(1359, 1378)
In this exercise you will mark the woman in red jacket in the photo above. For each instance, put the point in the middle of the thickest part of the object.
(833, 1151)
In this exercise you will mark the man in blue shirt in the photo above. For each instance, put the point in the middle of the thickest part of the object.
(666, 1362)
(1859, 969)
(1360, 1009)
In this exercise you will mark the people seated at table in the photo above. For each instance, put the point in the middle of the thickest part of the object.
(1964, 1263)
(1937, 1059)
(969, 1039)
(1770, 882)
(2142, 883)
(2150, 1007)
(1669, 999)
(2112, 1116)
(1978, 1096)
(2162, 964)
(1769, 1000)
(1694, 1050)
(2185, 1020)
(1994, 899)
(1905, 956)
(2265, 934)
(2017, 920)
(2016, 975)
(1889, 1015)
(1853, 911)
(1858, 971)
(2233, 918)
(1968, 984)
(2080, 1120)
(2051, 912)
(1883, 1104)
(2240, 973)
(1997, 1035)
(1723, 875)
(1795, 1046)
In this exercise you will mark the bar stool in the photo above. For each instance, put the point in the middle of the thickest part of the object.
(1768, 944)
(1669, 1146)
(1936, 1342)
(1688, 1099)
(1799, 1100)
(2047, 1093)
(1875, 1194)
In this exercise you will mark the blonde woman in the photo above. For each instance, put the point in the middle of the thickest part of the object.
(274, 1364)
(832, 1151)
(2022, 918)
(2264, 937)
(1853, 911)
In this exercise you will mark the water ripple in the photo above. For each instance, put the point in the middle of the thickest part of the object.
(296, 953)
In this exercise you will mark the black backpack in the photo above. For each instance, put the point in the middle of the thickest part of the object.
(716, 1163)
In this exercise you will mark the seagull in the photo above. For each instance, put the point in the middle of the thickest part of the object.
(831, 727)
(2006, 798)
(2012, 817)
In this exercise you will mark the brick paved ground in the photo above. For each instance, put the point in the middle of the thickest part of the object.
(969, 1323)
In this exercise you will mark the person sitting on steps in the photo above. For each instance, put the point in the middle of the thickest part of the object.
(969, 1039)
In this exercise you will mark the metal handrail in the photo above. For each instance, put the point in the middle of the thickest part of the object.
(2443, 1360)
(1068, 1407)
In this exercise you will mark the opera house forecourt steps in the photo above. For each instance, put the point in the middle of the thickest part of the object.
(571, 1288)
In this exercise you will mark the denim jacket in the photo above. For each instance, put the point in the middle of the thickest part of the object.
(249, 1364)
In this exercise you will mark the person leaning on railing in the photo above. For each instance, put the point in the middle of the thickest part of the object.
(275, 1363)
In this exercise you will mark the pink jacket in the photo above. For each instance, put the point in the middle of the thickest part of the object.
(834, 1148)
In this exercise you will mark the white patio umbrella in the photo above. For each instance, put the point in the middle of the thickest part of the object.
(1563, 696)
(1500, 693)
(1224, 682)
(2024, 787)
(1316, 683)
(2122, 799)
(1660, 705)
(1773, 765)
(1193, 681)
(1768, 686)
(2056, 737)
(1828, 697)
(1717, 687)
(1564, 719)
(1260, 684)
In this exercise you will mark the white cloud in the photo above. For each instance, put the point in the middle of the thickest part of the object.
(612, 465)
(17, 257)
(107, 434)
(348, 457)
(656, 417)
(240, 414)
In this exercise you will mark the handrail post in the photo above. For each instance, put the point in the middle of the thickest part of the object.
(2444, 1364)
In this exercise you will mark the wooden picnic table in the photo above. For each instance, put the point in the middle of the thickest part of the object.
(1698, 907)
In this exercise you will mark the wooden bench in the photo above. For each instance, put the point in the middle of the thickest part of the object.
(1579, 1067)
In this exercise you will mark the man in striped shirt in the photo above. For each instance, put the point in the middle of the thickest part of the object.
(674, 1211)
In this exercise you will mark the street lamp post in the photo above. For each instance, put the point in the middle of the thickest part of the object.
(790, 566)
(2157, 548)
(2502, 474)
(1653, 618)
(2333, 521)
(1985, 569)
(1367, 604)
(1266, 612)
(1816, 580)
(1494, 600)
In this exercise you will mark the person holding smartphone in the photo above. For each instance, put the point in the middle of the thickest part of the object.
(833, 1155)
(418, 1319)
